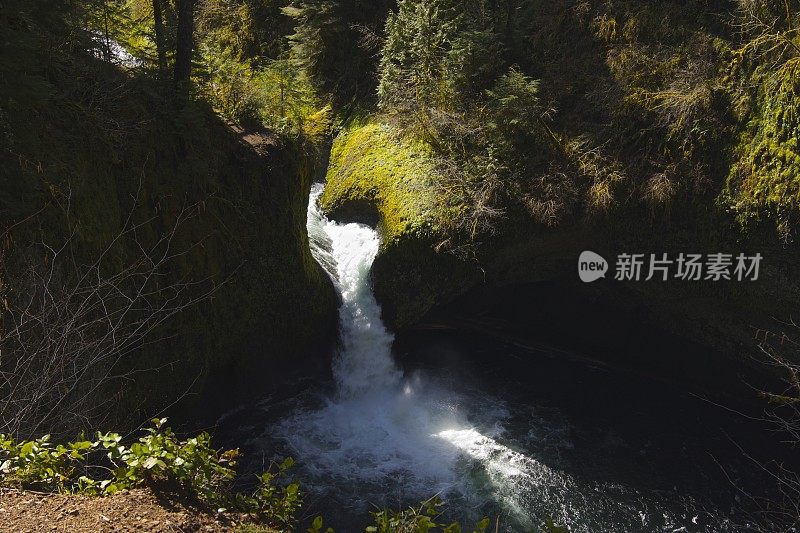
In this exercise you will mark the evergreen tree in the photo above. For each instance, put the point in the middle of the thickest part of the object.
(438, 54)
(335, 41)
(160, 37)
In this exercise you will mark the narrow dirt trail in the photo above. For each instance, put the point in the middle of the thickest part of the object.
(134, 510)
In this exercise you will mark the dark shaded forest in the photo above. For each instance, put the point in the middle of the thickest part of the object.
(157, 156)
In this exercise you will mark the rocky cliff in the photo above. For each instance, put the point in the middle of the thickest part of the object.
(89, 152)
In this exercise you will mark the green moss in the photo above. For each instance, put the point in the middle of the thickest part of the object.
(376, 176)
(765, 179)
(370, 164)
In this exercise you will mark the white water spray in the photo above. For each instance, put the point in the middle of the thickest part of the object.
(380, 428)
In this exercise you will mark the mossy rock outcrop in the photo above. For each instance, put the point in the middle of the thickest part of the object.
(377, 178)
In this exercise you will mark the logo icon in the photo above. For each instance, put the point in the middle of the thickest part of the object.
(591, 267)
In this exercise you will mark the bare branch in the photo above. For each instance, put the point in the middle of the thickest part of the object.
(70, 330)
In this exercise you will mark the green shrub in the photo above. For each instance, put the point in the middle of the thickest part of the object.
(420, 519)
(158, 459)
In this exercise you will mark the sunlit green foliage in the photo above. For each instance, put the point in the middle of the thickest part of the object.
(250, 29)
(437, 56)
(646, 112)
(712, 103)
(161, 461)
(276, 94)
(422, 59)
(764, 180)
(445, 80)
(242, 64)
(422, 519)
(158, 459)
(227, 82)
(671, 123)
(248, 73)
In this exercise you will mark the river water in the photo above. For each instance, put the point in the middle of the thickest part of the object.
(591, 450)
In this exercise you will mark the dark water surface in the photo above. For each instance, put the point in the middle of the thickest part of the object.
(539, 434)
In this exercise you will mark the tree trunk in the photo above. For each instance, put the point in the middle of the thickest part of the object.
(107, 51)
(183, 49)
(161, 50)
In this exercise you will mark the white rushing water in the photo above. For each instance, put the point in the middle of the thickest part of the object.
(374, 424)
(386, 438)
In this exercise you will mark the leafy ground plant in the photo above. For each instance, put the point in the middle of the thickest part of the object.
(158, 459)
(422, 519)
(191, 468)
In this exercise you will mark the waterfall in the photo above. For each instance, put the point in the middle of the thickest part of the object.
(383, 437)
(365, 363)
(387, 438)
(346, 251)
(380, 427)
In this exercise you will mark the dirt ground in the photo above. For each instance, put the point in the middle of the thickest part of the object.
(134, 510)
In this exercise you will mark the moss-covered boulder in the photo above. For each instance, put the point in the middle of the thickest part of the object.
(376, 177)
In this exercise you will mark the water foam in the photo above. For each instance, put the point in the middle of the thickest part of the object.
(379, 427)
